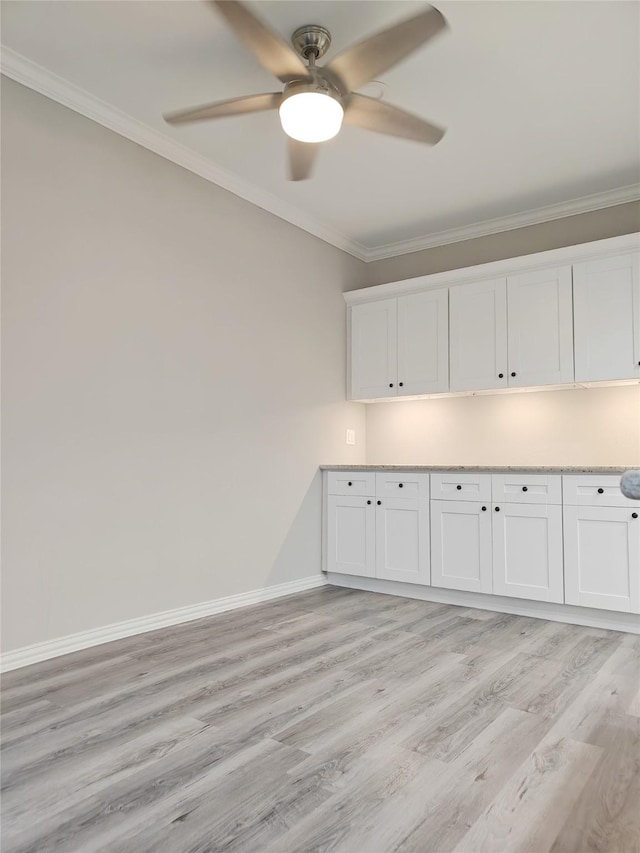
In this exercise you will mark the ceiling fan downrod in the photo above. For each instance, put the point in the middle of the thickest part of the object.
(311, 42)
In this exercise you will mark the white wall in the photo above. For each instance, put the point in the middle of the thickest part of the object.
(173, 375)
(593, 426)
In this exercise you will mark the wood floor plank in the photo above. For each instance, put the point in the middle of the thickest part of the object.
(528, 813)
(329, 720)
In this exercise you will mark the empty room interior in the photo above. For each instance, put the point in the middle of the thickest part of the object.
(320, 426)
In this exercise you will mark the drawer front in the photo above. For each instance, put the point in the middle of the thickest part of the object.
(402, 484)
(526, 488)
(594, 490)
(461, 487)
(351, 483)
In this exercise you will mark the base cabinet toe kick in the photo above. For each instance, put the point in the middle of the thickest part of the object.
(560, 546)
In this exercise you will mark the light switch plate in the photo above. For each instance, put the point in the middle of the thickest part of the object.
(351, 436)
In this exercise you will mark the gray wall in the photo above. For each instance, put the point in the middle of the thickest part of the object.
(583, 228)
(171, 383)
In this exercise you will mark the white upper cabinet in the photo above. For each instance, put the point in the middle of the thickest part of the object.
(423, 342)
(540, 328)
(374, 349)
(400, 346)
(512, 332)
(478, 330)
(606, 306)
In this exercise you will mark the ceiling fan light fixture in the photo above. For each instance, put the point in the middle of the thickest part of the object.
(311, 116)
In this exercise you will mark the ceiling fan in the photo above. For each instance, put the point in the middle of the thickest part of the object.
(316, 100)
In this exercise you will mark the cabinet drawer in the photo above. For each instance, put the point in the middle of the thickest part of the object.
(594, 490)
(461, 487)
(526, 488)
(402, 484)
(351, 483)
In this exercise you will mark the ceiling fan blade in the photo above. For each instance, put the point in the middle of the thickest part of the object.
(270, 50)
(302, 156)
(365, 61)
(378, 116)
(232, 107)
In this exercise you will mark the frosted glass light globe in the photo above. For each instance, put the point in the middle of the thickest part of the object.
(311, 116)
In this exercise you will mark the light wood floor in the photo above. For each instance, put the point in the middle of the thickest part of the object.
(331, 720)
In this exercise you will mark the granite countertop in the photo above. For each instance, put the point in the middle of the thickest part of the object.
(498, 469)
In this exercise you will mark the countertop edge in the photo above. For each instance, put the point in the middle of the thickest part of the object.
(489, 469)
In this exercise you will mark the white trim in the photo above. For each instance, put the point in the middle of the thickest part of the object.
(494, 269)
(36, 77)
(116, 631)
(585, 204)
(588, 616)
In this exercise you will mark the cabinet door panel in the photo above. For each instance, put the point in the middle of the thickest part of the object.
(478, 335)
(606, 306)
(351, 536)
(374, 350)
(461, 546)
(527, 552)
(540, 328)
(423, 342)
(602, 558)
(402, 540)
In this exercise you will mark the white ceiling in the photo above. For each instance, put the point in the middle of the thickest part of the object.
(541, 101)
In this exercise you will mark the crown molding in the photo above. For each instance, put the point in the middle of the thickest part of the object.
(38, 78)
(585, 204)
(35, 77)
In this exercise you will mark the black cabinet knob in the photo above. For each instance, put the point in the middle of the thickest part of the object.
(634, 515)
(379, 503)
(400, 485)
(497, 509)
(391, 385)
(501, 376)
(401, 384)
(368, 503)
(525, 488)
(349, 483)
(458, 488)
(513, 374)
(484, 509)
(601, 491)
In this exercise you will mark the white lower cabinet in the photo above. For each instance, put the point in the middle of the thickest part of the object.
(402, 540)
(527, 551)
(602, 557)
(461, 545)
(351, 535)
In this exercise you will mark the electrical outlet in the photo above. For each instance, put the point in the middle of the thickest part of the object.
(351, 436)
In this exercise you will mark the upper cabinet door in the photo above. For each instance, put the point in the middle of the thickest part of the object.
(374, 350)
(478, 335)
(606, 306)
(540, 324)
(423, 342)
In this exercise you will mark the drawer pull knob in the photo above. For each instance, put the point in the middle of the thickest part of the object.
(513, 374)
(349, 483)
(391, 385)
(458, 487)
(525, 488)
(501, 376)
(401, 384)
(634, 515)
(400, 485)
(484, 509)
(497, 509)
(379, 503)
(368, 503)
(601, 491)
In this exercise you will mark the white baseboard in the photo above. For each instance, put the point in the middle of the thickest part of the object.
(588, 616)
(116, 631)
